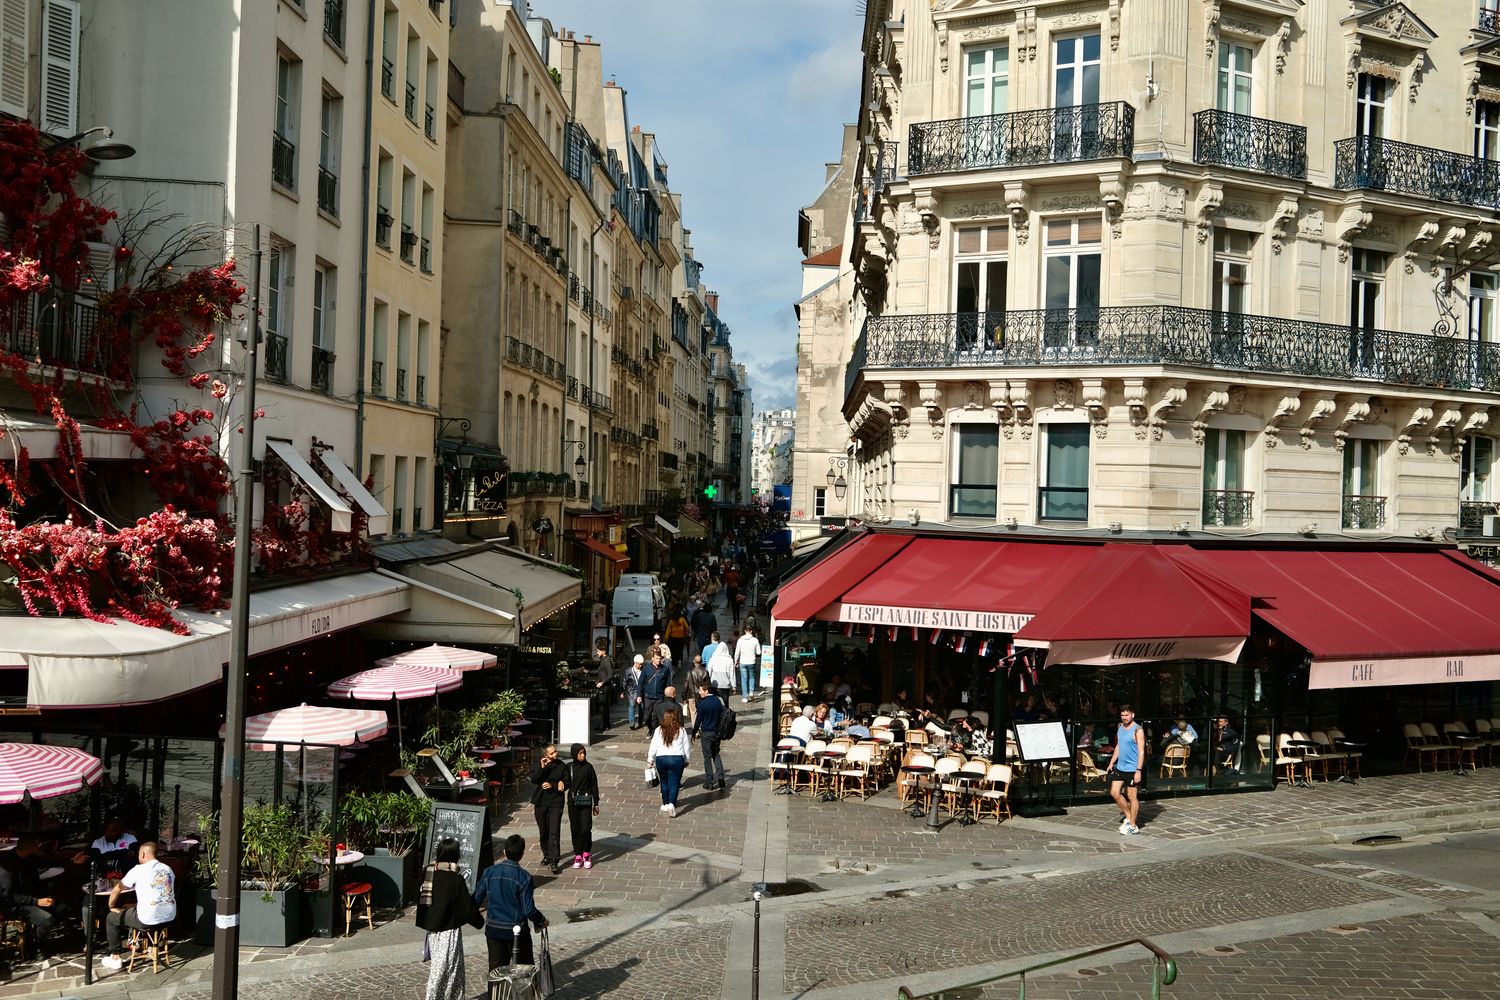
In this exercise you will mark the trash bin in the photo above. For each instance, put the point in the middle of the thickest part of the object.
(514, 982)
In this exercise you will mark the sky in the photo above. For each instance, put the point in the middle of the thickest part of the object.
(747, 101)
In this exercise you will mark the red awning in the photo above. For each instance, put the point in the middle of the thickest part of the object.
(965, 584)
(826, 580)
(1372, 618)
(1135, 604)
(598, 548)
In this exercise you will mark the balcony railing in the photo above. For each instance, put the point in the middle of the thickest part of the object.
(377, 378)
(668, 460)
(455, 86)
(383, 222)
(424, 257)
(1257, 144)
(408, 243)
(1489, 20)
(401, 384)
(411, 102)
(328, 191)
(1364, 513)
(322, 369)
(276, 357)
(1471, 513)
(1377, 164)
(1022, 138)
(421, 389)
(333, 21)
(429, 122)
(651, 499)
(47, 330)
(283, 161)
(1228, 508)
(1173, 335)
(1062, 503)
(388, 79)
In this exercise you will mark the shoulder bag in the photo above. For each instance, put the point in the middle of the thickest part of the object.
(583, 800)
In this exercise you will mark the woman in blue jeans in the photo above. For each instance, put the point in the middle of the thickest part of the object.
(669, 755)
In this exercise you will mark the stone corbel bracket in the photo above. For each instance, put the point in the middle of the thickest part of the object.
(1449, 419)
(1351, 223)
(1000, 400)
(1356, 411)
(1426, 233)
(1096, 400)
(1323, 407)
(1173, 395)
(1453, 237)
(1205, 207)
(1289, 405)
(1135, 403)
(895, 400)
(1017, 200)
(1480, 245)
(1476, 417)
(872, 417)
(1283, 223)
(926, 206)
(1215, 398)
(1019, 394)
(1416, 420)
(930, 396)
(1112, 195)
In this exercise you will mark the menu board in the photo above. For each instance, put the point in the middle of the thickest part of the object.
(1042, 741)
(572, 722)
(470, 826)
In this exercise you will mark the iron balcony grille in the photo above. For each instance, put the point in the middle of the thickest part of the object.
(322, 369)
(668, 460)
(422, 389)
(1172, 335)
(1364, 513)
(425, 256)
(455, 86)
(388, 79)
(1022, 138)
(1471, 513)
(49, 330)
(1489, 20)
(401, 384)
(283, 161)
(383, 222)
(408, 242)
(411, 102)
(377, 378)
(276, 357)
(328, 191)
(1259, 144)
(333, 21)
(1377, 164)
(1227, 508)
(429, 122)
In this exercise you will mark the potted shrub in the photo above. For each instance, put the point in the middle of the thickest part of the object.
(389, 828)
(276, 853)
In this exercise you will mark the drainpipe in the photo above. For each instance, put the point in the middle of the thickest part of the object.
(364, 245)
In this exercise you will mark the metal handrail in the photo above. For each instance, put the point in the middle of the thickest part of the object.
(1163, 971)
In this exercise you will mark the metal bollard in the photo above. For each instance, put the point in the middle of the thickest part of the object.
(760, 888)
(88, 920)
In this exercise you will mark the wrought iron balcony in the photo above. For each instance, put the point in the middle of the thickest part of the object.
(455, 86)
(328, 191)
(1228, 508)
(668, 460)
(1364, 513)
(322, 369)
(1489, 20)
(388, 78)
(1376, 164)
(283, 161)
(411, 101)
(333, 21)
(383, 222)
(1471, 513)
(49, 330)
(1022, 138)
(424, 257)
(1172, 335)
(429, 122)
(421, 389)
(408, 243)
(401, 384)
(377, 378)
(276, 357)
(1259, 144)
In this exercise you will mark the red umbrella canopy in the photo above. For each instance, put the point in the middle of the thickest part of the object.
(400, 683)
(35, 771)
(317, 725)
(449, 657)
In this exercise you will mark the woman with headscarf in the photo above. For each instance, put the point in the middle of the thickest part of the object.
(583, 805)
(443, 908)
(550, 776)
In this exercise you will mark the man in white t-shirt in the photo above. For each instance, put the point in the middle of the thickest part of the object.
(155, 901)
(747, 656)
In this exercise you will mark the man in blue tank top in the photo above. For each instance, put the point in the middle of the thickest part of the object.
(1125, 768)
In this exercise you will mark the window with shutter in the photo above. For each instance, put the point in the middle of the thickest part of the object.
(99, 277)
(59, 100)
(13, 39)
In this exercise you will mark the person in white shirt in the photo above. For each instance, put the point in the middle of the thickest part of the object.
(155, 901)
(112, 846)
(669, 753)
(803, 727)
(721, 668)
(747, 655)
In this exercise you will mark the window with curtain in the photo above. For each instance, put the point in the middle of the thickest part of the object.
(976, 467)
(980, 275)
(1065, 493)
(1226, 503)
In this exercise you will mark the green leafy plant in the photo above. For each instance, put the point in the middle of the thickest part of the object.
(276, 850)
(394, 820)
(207, 864)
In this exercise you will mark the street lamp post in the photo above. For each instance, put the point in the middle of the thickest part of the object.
(836, 466)
(464, 461)
(227, 910)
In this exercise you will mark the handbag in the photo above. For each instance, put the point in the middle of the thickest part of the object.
(583, 800)
(652, 778)
(546, 982)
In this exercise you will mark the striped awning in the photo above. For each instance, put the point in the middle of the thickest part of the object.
(446, 657)
(400, 683)
(37, 771)
(316, 725)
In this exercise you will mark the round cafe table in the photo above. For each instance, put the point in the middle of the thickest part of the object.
(344, 859)
(48, 874)
(919, 770)
(829, 758)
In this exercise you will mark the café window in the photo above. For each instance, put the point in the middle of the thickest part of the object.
(976, 465)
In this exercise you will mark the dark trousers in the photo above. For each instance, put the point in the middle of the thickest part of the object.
(549, 825)
(115, 924)
(581, 826)
(648, 708)
(504, 949)
(678, 647)
(713, 765)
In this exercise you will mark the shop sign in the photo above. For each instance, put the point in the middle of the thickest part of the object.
(1110, 652)
(489, 490)
(542, 526)
(1328, 674)
(832, 525)
(538, 648)
(944, 618)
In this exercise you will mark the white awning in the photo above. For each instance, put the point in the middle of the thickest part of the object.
(76, 663)
(342, 513)
(40, 440)
(666, 525)
(380, 519)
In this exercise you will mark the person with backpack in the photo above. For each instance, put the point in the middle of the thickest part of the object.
(721, 669)
(747, 656)
(711, 709)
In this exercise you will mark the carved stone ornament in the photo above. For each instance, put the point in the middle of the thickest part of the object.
(1351, 225)
(1062, 394)
(979, 210)
(1016, 197)
(1323, 407)
(1242, 210)
(1135, 404)
(1096, 401)
(1450, 417)
(1356, 411)
(895, 398)
(1390, 34)
(999, 399)
(1215, 399)
(1205, 207)
(1427, 231)
(1112, 195)
(1416, 419)
(1173, 394)
(1476, 418)
(972, 399)
(1020, 406)
(930, 396)
(1282, 220)
(1155, 201)
(1070, 203)
(1310, 224)
(1290, 403)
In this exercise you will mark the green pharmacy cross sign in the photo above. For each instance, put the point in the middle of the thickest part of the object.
(710, 491)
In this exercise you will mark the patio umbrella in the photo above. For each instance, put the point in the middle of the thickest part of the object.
(451, 657)
(338, 727)
(398, 684)
(36, 771)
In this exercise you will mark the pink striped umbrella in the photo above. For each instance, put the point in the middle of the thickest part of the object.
(320, 726)
(399, 683)
(449, 657)
(36, 771)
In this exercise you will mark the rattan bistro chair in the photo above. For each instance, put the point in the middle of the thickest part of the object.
(1174, 760)
(993, 796)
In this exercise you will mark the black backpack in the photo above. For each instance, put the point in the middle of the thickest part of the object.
(727, 724)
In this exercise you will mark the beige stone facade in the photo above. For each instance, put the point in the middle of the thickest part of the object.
(1165, 265)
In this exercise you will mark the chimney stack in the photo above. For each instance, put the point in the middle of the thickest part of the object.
(712, 298)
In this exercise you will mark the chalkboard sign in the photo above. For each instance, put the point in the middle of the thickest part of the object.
(573, 721)
(1042, 741)
(470, 826)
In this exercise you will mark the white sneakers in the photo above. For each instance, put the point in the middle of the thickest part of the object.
(1126, 827)
(112, 962)
(672, 811)
(665, 807)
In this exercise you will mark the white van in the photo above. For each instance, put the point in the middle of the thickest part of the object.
(639, 600)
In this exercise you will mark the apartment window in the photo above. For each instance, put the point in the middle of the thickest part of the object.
(424, 347)
(1365, 306)
(279, 267)
(418, 493)
(378, 480)
(976, 467)
(1482, 287)
(331, 122)
(429, 109)
(408, 216)
(1226, 503)
(284, 141)
(986, 77)
(324, 278)
(1064, 495)
(1478, 460)
(1235, 77)
(413, 69)
(424, 256)
(388, 40)
(1487, 130)
(15, 36)
(1076, 71)
(979, 283)
(403, 354)
(1363, 507)
(1231, 275)
(398, 498)
(384, 220)
(1370, 104)
(380, 318)
(1072, 265)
